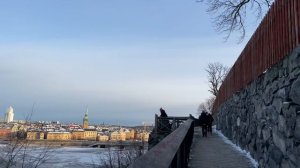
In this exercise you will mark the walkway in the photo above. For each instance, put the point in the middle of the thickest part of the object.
(213, 152)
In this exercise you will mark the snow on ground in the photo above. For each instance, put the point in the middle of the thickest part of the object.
(243, 152)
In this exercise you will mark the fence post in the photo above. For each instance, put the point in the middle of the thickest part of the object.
(156, 122)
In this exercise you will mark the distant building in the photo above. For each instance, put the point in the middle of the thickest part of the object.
(133, 134)
(102, 138)
(90, 134)
(34, 135)
(5, 132)
(118, 136)
(85, 120)
(59, 136)
(9, 116)
(77, 135)
(143, 136)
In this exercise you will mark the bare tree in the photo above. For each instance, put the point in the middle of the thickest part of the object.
(207, 105)
(117, 158)
(216, 74)
(19, 152)
(230, 15)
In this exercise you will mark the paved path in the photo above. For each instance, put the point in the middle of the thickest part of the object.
(213, 152)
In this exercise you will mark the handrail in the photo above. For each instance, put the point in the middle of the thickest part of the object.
(171, 152)
(168, 124)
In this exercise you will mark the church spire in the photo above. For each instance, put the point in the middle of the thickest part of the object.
(86, 119)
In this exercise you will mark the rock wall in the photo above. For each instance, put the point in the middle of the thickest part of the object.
(264, 118)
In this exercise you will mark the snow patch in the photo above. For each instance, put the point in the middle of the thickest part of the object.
(243, 152)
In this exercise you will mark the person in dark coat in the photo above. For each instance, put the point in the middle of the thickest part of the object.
(210, 120)
(164, 124)
(203, 123)
(163, 113)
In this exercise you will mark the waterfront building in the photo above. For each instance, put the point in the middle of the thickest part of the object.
(143, 136)
(77, 134)
(9, 116)
(90, 134)
(5, 132)
(118, 136)
(58, 136)
(35, 135)
(102, 138)
(133, 134)
(115, 136)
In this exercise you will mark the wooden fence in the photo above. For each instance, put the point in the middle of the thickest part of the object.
(277, 35)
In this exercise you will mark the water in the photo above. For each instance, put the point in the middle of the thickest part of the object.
(76, 157)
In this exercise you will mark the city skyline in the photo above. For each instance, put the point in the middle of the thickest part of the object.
(124, 59)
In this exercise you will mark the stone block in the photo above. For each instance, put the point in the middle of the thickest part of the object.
(297, 129)
(281, 123)
(277, 104)
(294, 74)
(292, 157)
(279, 140)
(266, 132)
(295, 91)
(276, 155)
(268, 95)
(294, 61)
(282, 94)
(284, 164)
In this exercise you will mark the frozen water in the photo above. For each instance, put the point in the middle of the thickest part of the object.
(71, 157)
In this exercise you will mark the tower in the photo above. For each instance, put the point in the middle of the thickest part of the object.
(9, 116)
(86, 120)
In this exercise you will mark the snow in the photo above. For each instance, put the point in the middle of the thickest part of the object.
(243, 152)
(71, 157)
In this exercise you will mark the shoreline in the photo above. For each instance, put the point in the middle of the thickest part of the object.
(80, 143)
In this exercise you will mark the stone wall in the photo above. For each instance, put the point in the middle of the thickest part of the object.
(264, 118)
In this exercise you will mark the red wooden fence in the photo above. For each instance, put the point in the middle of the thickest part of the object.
(277, 35)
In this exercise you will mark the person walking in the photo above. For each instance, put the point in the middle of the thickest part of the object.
(203, 123)
(210, 120)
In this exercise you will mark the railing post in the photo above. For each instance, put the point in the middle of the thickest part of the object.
(156, 122)
(174, 126)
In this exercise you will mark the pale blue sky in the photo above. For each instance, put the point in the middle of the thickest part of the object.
(124, 59)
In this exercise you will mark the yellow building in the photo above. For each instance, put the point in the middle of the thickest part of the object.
(90, 134)
(102, 138)
(118, 136)
(35, 135)
(115, 136)
(144, 136)
(128, 135)
(77, 135)
(59, 136)
(15, 128)
(133, 134)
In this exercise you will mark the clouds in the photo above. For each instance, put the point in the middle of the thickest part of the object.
(115, 80)
(123, 59)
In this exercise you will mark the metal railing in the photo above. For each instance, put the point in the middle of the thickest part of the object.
(167, 124)
(172, 152)
(277, 35)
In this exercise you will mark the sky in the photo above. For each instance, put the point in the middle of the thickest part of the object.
(121, 59)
